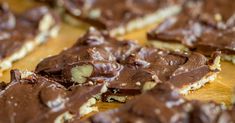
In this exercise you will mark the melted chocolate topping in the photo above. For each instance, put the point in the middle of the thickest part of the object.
(37, 99)
(219, 13)
(222, 40)
(180, 29)
(163, 104)
(111, 14)
(16, 29)
(197, 28)
(125, 65)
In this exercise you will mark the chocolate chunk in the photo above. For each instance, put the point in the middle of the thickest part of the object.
(217, 40)
(120, 14)
(37, 99)
(178, 29)
(197, 30)
(163, 104)
(95, 50)
(21, 33)
(12, 25)
(126, 67)
(181, 70)
(219, 13)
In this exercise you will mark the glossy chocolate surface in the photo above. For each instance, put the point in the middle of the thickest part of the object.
(163, 104)
(217, 40)
(124, 65)
(116, 13)
(17, 29)
(196, 27)
(37, 99)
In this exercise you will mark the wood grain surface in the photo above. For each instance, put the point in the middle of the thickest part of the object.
(220, 90)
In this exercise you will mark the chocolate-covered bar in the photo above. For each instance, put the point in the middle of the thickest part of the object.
(217, 13)
(120, 16)
(126, 67)
(35, 99)
(21, 33)
(163, 104)
(218, 40)
(190, 30)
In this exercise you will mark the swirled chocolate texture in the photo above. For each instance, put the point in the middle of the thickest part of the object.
(37, 99)
(126, 66)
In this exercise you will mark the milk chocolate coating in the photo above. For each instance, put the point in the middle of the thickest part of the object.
(222, 40)
(178, 29)
(105, 54)
(124, 65)
(116, 13)
(218, 13)
(195, 28)
(163, 104)
(37, 99)
(16, 29)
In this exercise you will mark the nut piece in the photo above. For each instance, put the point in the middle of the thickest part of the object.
(64, 118)
(80, 73)
(148, 85)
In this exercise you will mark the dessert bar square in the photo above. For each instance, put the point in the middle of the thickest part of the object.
(21, 33)
(127, 68)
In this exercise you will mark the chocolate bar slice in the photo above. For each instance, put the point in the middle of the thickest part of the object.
(178, 33)
(120, 16)
(144, 69)
(21, 33)
(95, 58)
(218, 13)
(163, 104)
(218, 40)
(33, 98)
(126, 67)
(187, 31)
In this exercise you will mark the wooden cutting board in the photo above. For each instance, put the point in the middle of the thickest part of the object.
(220, 90)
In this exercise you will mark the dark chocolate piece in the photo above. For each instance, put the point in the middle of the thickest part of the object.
(20, 33)
(197, 29)
(116, 13)
(36, 99)
(217, 40)
(163, 104)
(218, 13)
(127, 67)
(158, 66)
(17, 29)
(178, 29)
(101, 53)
